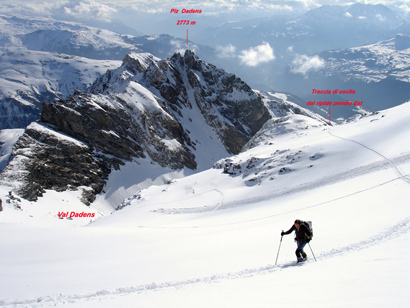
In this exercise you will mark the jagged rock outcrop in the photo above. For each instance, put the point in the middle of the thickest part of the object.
(45, 159)
(227, 103)
(112, 126)
(148, 108)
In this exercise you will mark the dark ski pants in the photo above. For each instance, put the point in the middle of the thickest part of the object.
(299, 252)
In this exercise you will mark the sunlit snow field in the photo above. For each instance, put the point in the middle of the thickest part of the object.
(211, 239)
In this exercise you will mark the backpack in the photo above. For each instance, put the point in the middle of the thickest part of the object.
(308, 225)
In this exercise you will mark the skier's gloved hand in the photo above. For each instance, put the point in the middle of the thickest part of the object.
(282, 233)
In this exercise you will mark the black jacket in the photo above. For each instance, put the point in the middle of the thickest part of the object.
(302, 234)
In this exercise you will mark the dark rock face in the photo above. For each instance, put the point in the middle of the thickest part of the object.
(226, 102)
(137, 111)
(49, 160)
(116, 130)
(92, 125)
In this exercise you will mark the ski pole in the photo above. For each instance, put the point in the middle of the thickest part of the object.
(312, 252)
(279, 249)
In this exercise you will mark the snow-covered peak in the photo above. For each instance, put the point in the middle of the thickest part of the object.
(44, 59)
(133, 64)
(355, 14)
(388, 59)
(47, 34)
(140, 61)
(27, 78)
(170, 112)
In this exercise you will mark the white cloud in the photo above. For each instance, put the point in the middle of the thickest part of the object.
(290, 49)
(381, 17)
(177, 47)
(257, 55)
(180, 47)
(266, 5)
(405, 9)
(32, 8)
(224, 52)
(89, 8)
(303, 64)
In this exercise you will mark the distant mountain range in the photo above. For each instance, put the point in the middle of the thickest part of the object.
(378, 73)
(27, 78)
(325, 28)
(43, 59)
(359, 47)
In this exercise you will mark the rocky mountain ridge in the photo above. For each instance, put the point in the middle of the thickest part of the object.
(168, 111)
(44, 59)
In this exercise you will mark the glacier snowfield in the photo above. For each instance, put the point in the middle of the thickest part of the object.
(210, 239)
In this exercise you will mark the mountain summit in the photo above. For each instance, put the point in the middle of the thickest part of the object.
(178, 113)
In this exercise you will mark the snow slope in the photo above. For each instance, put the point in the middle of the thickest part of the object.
(211, 239)
(373, 62)
(30, 72)
(28, 78)
(8, 137)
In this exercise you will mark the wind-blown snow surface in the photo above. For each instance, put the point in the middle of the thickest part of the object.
(211, 239)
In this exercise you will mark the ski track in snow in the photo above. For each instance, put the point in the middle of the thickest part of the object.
(386, 235)
(333, 179)
(384, 164)
(171, 211)
(391, 162)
